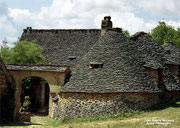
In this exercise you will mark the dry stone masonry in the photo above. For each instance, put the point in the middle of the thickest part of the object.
(7, 90)
(110, 73)
(90, 104)
(122, 83)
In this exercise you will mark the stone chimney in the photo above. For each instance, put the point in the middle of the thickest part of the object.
(29, 30)
(106, 24)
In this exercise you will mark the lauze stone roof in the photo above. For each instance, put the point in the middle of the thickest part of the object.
(108, 63)
(52, 68)
(172, 53)
(152, 53)
(113, 64)
(60, 44)
(154, 56)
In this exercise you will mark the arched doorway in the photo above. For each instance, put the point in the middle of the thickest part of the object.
(35, 96)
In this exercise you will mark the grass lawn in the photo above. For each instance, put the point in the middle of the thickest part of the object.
(168, 117)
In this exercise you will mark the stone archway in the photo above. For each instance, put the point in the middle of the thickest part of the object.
(37, 89)
(55, 76)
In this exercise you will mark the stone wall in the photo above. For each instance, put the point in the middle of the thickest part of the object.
(86, 104)
(175, 71)
(154, 75)
(4, 79)
(54, 79)
(6, 95)
(157, 77)
(3, 85)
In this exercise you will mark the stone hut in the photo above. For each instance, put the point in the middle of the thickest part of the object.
(157, 63)
(173, 59)
(110, 78)
(6, 94)
(173, 63)
(111, 73)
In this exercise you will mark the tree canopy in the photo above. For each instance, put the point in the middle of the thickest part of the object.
(23, 52)
(163, 33)
(126, 33)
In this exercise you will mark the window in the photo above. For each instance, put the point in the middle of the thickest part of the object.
(94, 65)
(71, 57)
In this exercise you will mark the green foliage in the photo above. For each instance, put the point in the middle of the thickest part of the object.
(126, 33)
(26, 104)
(5, 43)
(140, 115)
(27, 89)
(177, 37)
(26, 101)
(22, 109)
(120, 115)
(22, 53)
(163, 33)
(27, 85)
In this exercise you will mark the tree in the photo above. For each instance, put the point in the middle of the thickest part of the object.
(126, 33)
(22, 53)
(163, 33)
(5, 43)
(177, 37)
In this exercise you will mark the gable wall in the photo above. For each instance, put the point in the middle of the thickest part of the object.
(154, 75)
(6, 95)
(175, 71)
(3, 85)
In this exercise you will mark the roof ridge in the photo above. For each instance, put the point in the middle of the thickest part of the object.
(30, 30)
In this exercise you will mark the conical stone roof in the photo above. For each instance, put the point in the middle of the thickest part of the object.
(169, 81)
(172, 53)
(154, 56)
(122, 69)
(152, 53)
